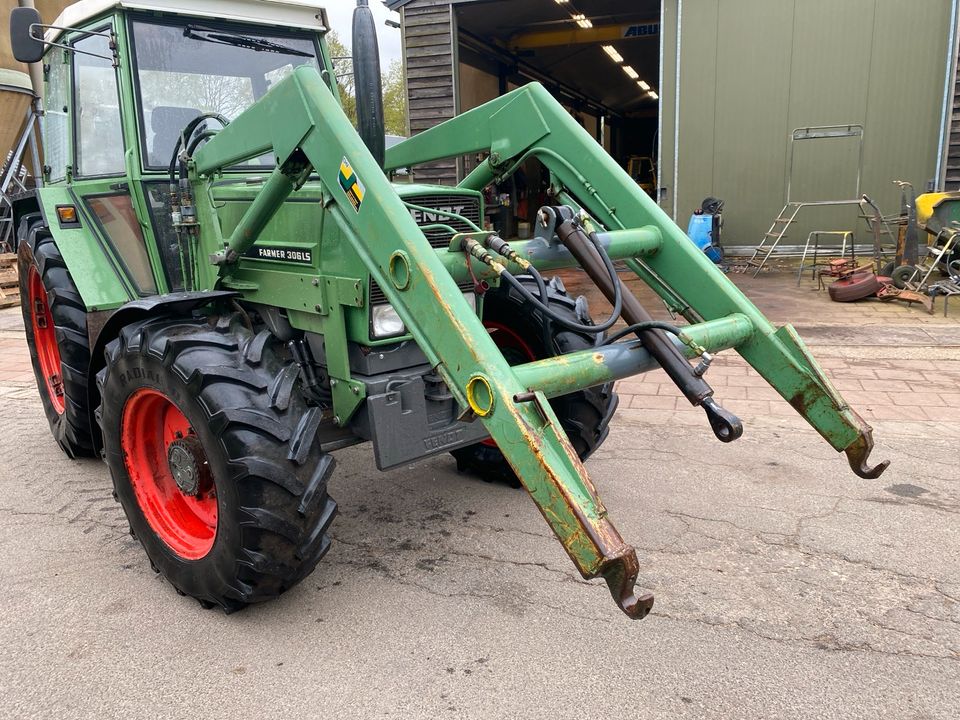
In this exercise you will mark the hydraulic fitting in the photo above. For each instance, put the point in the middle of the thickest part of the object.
(500, 247)
(472, 247)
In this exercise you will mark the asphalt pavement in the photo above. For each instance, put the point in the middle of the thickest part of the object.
(786, 588)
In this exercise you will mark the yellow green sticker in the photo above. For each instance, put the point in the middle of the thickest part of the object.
(351, 184)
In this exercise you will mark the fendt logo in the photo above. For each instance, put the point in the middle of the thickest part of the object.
(440, 215)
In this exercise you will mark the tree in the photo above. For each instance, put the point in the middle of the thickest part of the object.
(395, 100)
(343, 67)
(394, 91)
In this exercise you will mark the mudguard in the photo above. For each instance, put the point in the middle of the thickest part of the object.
(175, 304)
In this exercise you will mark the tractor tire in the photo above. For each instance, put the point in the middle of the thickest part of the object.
(853, 288)
(213, 456)
(522, 335)
(55, 323)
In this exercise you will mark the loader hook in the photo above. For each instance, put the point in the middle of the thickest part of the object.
(621, 576)
(857, 454)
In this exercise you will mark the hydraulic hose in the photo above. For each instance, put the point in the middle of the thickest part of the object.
(556, 317)
(725, 425)
(705, 357)
(641, 327)
(185, 136)
(195, 143)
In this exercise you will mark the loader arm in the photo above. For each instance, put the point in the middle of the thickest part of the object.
(530, 122)
(300, 118)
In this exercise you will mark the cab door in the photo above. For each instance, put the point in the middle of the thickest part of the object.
(101, 172)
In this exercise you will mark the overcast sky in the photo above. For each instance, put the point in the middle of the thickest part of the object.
(340, 13)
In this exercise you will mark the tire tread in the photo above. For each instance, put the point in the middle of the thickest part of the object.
(276, 470)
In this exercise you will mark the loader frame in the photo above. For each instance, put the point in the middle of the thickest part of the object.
(316, 141)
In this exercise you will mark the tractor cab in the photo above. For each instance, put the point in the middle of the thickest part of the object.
(122, 82)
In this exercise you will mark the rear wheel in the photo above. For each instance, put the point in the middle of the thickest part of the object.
(213, 456)
(522, 335)
(55, 321)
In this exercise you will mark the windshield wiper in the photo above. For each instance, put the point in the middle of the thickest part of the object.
(241, 41)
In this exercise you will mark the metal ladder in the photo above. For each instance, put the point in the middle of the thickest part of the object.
(776, 233)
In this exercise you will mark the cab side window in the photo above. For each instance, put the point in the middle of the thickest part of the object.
(99, 135)
(56, 123)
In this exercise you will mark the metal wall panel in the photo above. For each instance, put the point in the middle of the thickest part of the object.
(753, 70)
(752, 91)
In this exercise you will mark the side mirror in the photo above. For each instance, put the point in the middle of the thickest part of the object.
(27, 47)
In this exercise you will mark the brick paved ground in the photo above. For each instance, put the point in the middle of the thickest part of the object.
(895, 364)
(15, 370)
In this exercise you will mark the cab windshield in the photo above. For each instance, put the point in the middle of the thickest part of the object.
(193, 67)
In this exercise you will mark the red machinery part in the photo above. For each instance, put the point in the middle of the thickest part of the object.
(185, 520)
(855, 287)
(45, 340)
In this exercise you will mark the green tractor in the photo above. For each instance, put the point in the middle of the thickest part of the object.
(222, 287)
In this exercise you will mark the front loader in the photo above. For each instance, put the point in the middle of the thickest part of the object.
(222, 287)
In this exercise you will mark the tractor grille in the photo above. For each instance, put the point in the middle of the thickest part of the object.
(377, 297)
(464, 205)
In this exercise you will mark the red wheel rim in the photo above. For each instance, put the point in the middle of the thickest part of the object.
(515, 349)
(185, 521)
(45, 340)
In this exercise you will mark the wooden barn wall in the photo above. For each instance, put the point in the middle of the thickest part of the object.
(429, 29)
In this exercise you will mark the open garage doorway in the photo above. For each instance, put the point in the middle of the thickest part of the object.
(599, 58)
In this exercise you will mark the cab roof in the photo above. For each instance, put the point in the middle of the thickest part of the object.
(302, 14)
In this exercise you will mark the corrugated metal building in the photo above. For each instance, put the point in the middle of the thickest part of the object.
(741, 75)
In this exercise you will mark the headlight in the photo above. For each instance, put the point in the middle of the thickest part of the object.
(385, 322)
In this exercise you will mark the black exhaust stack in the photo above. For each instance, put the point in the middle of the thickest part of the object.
(366, 80)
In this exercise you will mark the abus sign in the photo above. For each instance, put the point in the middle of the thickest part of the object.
(638, 31)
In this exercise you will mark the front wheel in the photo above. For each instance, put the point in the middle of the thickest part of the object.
(523, 335)
(213, 457)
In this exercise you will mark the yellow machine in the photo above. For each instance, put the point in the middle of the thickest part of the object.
(644, 172)
(938, 214)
